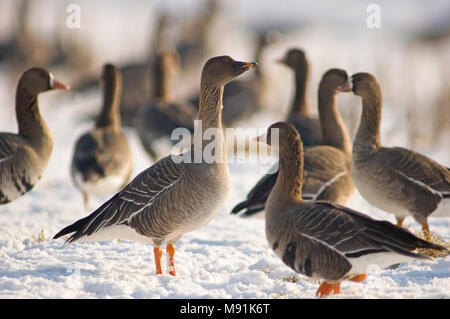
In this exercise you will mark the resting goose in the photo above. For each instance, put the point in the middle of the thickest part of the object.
(24, 156)
(172, 197)
(299, 113)
(162, 115)
(326, 174)
(323, 240)
(394, 179)
(102, 160)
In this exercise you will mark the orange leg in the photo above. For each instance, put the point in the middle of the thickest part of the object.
(170, 263)
(326, 289)
(358, 278)
(400, 222)
(157, 252)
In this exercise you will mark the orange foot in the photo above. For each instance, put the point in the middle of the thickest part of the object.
(326, 289)
(170, 263)
(358, 278)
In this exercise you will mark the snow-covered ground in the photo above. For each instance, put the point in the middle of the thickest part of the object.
(228, 258)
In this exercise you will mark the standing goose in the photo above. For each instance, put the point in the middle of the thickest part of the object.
(394, 179)
(102, 161)
(24, 156)
(323, 240)
(299, 113)
(162, 115)
(172, 197)
(326, 174)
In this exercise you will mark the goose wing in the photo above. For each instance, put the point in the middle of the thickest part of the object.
(329, 236)
(138, 205)
(419, 168)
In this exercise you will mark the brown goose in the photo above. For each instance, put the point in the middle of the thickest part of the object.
(24, 156)
(102, 161)
(394, 179)
(323, 240)
(163, 115)
(326, 174)
(299, 113)
(173, 196)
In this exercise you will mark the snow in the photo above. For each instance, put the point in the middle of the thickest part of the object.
(229, 257)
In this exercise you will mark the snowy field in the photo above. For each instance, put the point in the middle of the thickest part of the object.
(228, 258)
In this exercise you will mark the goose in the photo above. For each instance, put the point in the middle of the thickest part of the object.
(173, 196)
(102, 161)
(24, 156)
(163, 115)
(326, 174)
(394, 179)
(299, 112)
(324, 240)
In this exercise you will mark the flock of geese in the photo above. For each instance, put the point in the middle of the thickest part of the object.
(307, 225)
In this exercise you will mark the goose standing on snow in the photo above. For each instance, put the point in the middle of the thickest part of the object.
(326, 174)
(323, 240)
(162, 116)
(102, 160)
(24, 156)
(299, 113)
(394, 179)
(173, 196)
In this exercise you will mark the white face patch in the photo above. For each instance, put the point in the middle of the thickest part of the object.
(52, 80)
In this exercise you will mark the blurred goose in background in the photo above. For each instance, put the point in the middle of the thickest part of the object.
(175, 195)
(162, 116)
(24, 48)
(137, 77)
(24, 156)
(326, 173)
(394, 179)
(323, 240)
(192, 39)
(299, 113)
(102, 160)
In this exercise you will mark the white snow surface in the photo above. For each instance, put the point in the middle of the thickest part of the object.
(229, 257)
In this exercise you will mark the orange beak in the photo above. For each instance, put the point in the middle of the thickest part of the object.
(347, 87)
(56, 84)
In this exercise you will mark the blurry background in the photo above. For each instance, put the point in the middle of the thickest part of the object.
(409, 54)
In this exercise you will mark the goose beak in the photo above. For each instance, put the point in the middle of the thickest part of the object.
(241, 67)
(56, 84)
(249, 65)
(347, 87)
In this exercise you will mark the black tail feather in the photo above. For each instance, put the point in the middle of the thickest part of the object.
(78, 225)
(249, 208)
(239, 207)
